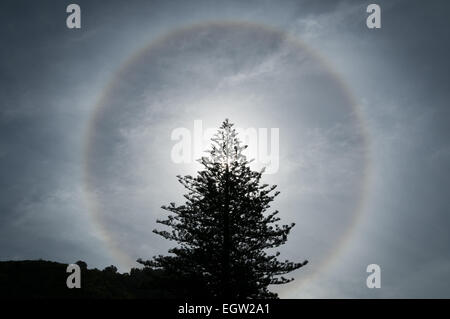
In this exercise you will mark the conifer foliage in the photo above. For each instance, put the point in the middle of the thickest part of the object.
(224, 230)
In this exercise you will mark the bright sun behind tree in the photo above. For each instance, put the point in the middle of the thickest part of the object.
(224, 229)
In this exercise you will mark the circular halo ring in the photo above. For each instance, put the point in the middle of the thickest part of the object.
(95, 117)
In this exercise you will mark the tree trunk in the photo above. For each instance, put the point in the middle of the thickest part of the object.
(226, 280)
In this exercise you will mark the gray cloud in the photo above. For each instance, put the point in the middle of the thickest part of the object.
(51, 79)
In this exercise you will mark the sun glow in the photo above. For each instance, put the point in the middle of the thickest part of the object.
(322, 149)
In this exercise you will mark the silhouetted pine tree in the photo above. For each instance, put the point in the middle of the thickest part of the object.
(224, 229)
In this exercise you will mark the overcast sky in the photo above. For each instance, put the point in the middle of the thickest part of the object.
(87, 115)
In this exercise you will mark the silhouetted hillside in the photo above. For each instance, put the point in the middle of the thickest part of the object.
(47, 279)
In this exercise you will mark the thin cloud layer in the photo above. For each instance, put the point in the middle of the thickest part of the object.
(52, 79)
